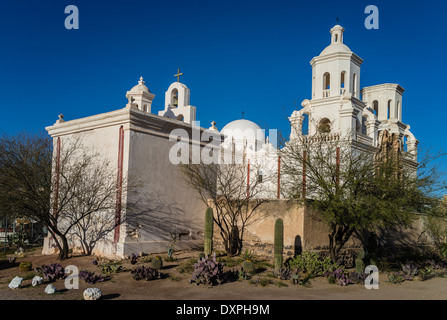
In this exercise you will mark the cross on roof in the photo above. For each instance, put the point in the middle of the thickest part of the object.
(243, 113)
(178, 75)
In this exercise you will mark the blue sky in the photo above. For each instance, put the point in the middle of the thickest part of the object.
(250, 56)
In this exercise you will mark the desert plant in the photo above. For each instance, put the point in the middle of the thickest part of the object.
(171, 247)
(207, 271)
(25, 266)
(396, 277)
(209, 230)
(279, 244)
(52, 271)
(146, 273)
(157, 263)
(338, 276)
(359, 264)
(410, 270)
(90, 277)
(248, 266)
(311, 263)
(357, 278)
(110, 268)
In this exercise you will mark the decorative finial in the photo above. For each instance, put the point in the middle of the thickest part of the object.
(213, 125)
(337, 20)
(178, 75)
(141, 81)
(243, 113)
(61, 119)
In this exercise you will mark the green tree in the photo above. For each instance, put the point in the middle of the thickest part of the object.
(353, 188)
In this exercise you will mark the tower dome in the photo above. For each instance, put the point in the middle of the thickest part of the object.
(140, 87)
(337, 44)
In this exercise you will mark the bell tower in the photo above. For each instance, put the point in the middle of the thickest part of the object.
(336, 71)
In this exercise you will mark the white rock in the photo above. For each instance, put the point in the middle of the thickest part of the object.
(92, 294)
(37, 280)
(50, 289)
(15, 283)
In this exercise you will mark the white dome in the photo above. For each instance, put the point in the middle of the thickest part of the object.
(140, 87)
(243, 129)
(335, 47)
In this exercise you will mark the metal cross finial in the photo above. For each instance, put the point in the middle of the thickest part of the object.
(243, 113)
(337, 20)
(178, 75)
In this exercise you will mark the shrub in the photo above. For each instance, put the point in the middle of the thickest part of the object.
(338, 276)
(146, 273)
(133, 258)
(312, 264)
(207, 271)
(52, 271)
(111, 268)
(25, 266)
(396, 277)
(410, 270)
(90, 277)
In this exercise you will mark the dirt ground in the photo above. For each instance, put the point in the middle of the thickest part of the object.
(176, 286)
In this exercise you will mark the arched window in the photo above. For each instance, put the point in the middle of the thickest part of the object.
(399, 116)
(145, 108)
(324, 126)
(342, 79)
(326, 81)
(404, 143)
(375, 106)
(358, 126)
(364, 129)
(388, 110)
(305, 125)
(174, 98)
(354, 85)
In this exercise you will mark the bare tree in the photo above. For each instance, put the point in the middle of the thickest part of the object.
(62, 189)
(234, 196)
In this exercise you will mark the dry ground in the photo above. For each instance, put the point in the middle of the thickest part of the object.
(176, 286)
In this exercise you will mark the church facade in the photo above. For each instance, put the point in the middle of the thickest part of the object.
(137, 142)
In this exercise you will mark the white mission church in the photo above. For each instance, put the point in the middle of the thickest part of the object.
(136, 141)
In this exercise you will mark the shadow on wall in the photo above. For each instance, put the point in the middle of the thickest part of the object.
(151, 217)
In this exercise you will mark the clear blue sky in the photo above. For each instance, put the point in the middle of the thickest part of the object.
(250, 56)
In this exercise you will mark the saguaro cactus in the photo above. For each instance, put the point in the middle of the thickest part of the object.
(209, 225)
(359, 264)
(279, 243)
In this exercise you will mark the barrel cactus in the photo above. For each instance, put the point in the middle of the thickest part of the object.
(248, 266)
(279, 244)
(209, 225)
(157, 263)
